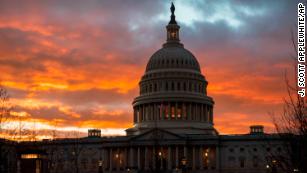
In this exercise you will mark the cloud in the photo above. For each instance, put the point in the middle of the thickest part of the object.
(79, 63)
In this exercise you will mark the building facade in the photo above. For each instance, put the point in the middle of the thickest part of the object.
(173, 129)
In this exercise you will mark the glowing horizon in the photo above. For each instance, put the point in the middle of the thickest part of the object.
(76, 65)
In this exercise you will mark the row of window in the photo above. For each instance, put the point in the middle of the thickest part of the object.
(177, 62)
(198, 112)
(173, 74)
(268, 149)
(198, 87)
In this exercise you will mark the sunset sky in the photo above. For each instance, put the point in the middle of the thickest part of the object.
(76, 64)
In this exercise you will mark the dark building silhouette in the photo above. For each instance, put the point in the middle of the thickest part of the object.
(173, 130)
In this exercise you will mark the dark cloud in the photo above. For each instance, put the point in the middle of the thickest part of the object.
(89, 55)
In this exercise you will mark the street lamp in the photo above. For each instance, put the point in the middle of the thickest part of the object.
(100, 170)
(160, 157)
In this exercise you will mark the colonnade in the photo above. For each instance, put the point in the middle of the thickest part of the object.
(160, 158)
(173, 86)
(173, 111)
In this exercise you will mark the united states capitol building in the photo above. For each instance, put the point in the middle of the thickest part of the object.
(173, 130)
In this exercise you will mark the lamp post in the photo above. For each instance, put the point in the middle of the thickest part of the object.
(274, 168)
(160, 158)
(184, 164)
(100, 170)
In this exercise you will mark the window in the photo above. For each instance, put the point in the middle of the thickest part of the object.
(255, 161)
(173, 112)
(179, 112)
(160, 111)
(184, 111)
(166, 111)
(242, 162)
(232, 161)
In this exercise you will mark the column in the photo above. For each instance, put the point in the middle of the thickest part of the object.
(176, 110)
(155, 112)
(193, 159)
(131, 157)
(162, 107)
(202, 112)
(211, 113)
(169, 110)
(18, 166)
(125, 160)
(142, 113)
(185, 152)
(111, 160)
(104, 158)
(177, 158)
(217, 158)
(161, 163)
(134, 114)
(146, 158)
(146, 112)
(153, 157)
(169, 160)
(139, 158)
(206, 113)
(196, 112)
(201, 158)
(151, 112)
(117, 160)
(190, 111)
(183, 110)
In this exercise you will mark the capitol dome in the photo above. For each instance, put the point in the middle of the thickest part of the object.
(173, 57)
(173, 91)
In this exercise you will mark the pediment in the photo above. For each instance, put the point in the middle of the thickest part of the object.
(157, 134)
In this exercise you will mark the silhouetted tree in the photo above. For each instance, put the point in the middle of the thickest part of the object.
(5, 109)
(291, 126)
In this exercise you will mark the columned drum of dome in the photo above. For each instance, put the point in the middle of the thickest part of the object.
(173, 92)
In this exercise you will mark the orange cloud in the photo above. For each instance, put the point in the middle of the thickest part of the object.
(78, 65)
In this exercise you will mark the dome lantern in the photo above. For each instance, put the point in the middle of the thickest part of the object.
(172, 31)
